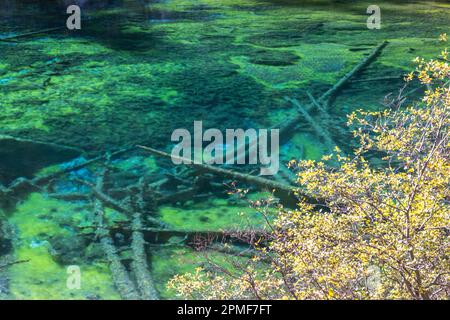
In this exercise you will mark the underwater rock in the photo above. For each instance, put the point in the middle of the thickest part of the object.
(68, 250)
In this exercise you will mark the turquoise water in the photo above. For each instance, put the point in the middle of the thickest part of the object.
(138, 70)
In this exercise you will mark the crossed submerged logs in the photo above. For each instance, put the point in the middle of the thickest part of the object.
(121, 278)
(141, 285)
(144, 288)
(257, 181)
(32, 33)
(98, 197)
(286, 128)
(322, 104)
(138, 202)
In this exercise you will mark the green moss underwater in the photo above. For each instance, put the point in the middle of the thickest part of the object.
(137, 71)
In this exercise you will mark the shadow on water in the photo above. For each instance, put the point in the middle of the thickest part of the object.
(104, 21)
(25, 158)
(111, 29)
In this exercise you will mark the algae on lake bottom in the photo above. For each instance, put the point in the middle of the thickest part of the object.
(139, 70)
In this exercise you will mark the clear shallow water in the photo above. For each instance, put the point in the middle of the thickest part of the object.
(135, 72)
(138, 70)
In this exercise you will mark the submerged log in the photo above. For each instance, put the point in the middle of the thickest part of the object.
(23, 185)
(320, 130)
(158, 236)
(7, 264)
(108, 201)
(47, 178)
(327, 96)
(257, 181)
(40, 143)
(315, 102)
(286, 128)
(69, 196)
(287, 194)
(139, 265)
(32, 33)
(122, 281)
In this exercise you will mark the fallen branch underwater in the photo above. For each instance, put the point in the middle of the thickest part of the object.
(41, 143)
(11, 263)
(286, 128)
(22, 184)
(116, 205)
(139, 265)
(320, 131)
(144, 288)
(122, 281)
(327, 96)
(158, 236)
(257, 181)
(32, 33)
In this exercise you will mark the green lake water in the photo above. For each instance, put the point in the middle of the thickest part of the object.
(138, 70)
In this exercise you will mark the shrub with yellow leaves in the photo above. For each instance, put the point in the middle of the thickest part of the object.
(380, 231)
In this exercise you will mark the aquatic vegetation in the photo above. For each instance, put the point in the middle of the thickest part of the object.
(136, 72)
(67, 47)
(318, 62)
(212, 215)
(168, 262)
(173, 72)
(302, 146)
(38, 221)
(28, 279)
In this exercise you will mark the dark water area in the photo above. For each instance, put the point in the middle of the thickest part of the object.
(24, 158)
(138, 70)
